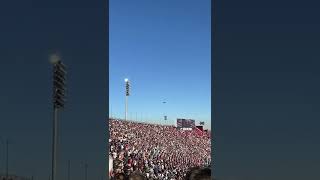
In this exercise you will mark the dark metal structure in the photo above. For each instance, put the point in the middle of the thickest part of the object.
(59, 95)
(127, 94)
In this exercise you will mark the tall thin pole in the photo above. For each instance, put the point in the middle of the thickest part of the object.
(2, 143)
(54, 143)
(86, 171)
(163, 113)
(126, 113)
(59, 82)
(69, 170)
(7, 159)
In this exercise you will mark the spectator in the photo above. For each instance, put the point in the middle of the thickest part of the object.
(199, 174)
(137, 176)
(110, 166)
(120, 176)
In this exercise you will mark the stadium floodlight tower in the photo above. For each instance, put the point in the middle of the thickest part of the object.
(59, 94)
(126, 80)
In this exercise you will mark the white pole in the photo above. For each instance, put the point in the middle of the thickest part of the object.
(126, 112)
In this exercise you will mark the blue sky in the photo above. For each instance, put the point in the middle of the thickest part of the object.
(164, 48)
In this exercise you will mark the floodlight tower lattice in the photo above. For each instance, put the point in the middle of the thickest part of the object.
(59, 95)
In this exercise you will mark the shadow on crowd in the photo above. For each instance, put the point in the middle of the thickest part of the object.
(192, 174)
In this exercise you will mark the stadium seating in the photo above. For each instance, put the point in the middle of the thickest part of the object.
(158, 151)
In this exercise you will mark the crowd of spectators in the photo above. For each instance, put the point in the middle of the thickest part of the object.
(156, 151)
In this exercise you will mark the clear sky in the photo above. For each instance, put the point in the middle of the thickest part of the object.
(164, 48)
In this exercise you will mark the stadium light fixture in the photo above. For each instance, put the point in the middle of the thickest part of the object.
(54, 58)
(59, 94)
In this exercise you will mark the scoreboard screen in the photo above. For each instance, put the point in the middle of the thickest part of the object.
(185, 123)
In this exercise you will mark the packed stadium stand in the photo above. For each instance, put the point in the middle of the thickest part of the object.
(157, 151)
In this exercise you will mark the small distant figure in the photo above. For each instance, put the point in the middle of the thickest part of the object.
(199, 174)
(120, 176)
(110, 165)
(137, 176)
